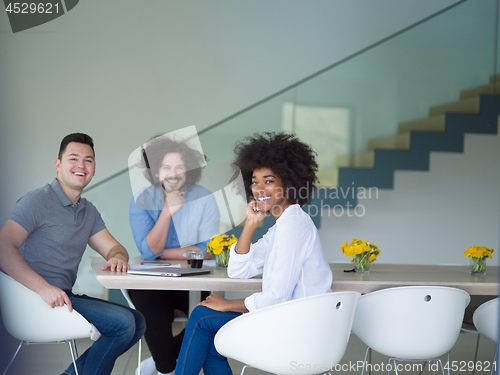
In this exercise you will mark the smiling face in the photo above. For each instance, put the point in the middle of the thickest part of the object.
(269, 191)
(172, 173)
(76, 168)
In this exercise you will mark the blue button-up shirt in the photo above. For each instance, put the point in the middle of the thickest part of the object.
(193, 224)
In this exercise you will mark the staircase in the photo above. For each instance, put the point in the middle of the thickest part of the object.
(477, 111)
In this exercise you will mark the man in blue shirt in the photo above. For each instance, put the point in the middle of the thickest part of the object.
(42, 243)
(172, 216)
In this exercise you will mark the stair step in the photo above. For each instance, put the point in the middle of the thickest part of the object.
(495, 78)
(491, 89)
(469, 105)
(430, 124)
(396, 142)
(328, 178)
(362, 160)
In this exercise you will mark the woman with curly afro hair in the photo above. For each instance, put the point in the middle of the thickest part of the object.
(279, 172)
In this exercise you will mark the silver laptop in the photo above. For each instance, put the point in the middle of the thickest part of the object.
(171, 272)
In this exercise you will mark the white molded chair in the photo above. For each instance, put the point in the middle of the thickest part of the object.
(178, 318)
(417, 323)
(28, 318)
(296, 337)
(485, 320)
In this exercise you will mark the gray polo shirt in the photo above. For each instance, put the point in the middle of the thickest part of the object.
(58, 232)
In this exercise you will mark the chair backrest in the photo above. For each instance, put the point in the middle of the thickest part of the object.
(27, 317)
(415, 322)
(302, 336)
(485, 319)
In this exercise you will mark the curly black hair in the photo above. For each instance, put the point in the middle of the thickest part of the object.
(156, 149)
(292, 160)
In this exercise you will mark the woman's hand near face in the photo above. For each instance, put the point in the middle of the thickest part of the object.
(254, 217)
(254, 214)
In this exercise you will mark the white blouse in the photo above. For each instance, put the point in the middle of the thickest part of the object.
(289, 256)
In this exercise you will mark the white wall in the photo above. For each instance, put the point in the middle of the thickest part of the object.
(124, 70)
(429, 217)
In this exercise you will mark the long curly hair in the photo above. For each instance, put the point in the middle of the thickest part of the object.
(156, 149)
(292, 160)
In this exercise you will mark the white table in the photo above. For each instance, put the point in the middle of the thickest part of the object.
(381, 276)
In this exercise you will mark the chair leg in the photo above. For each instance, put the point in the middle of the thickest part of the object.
(244, 368)
(73, 356)
(15, 354)
(441, 363)
(364, 360)
(128, 361)
(423, 367)
(395, 366)
(370, 361)
(475, 354)
(139, 359)
(494, 364)
(75, 348)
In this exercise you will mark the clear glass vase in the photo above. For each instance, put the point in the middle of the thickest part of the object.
(478, 266)
(222, 259)
(362, 262)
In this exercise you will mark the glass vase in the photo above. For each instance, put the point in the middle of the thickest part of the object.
(478, 266)
(222, 259)
(362, 262)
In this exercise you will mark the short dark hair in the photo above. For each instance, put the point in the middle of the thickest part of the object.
(156, 149)
(78, 138)
(292, 160)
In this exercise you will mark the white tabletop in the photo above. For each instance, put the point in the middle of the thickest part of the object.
(381, 276)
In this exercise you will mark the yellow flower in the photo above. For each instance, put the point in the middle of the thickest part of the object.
(357, 247)
(217, 244)
(478, 252)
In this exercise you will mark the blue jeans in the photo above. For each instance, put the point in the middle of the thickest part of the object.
(120, 327)
(198, 349)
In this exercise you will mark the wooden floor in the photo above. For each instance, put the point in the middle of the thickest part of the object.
(53, 359)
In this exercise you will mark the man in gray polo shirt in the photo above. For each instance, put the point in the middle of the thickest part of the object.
(42, 243)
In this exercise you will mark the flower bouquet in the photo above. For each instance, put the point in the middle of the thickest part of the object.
(362, 252)
(478, 256)
(220, 245)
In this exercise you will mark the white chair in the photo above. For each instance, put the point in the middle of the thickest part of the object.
(28, 318)
(468, 325)
(416, 323)
(485, 320)
(303, 336)
(179, 317)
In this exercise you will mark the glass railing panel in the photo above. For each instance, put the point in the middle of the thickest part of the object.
(218, 142)
(400, 79)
